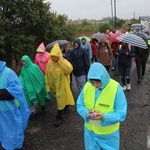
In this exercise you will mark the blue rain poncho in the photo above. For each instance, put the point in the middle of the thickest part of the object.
(13, 119)
(92, 140)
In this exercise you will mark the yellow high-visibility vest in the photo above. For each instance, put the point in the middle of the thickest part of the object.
(104, 104)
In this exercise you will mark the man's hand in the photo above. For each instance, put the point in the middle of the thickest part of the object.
(95, 115)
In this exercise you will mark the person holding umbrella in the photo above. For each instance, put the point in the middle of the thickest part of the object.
(141, 57)
(94, 47)
(104, 54)
(125, 53)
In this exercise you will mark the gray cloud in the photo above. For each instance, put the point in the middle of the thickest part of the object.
(98, 9)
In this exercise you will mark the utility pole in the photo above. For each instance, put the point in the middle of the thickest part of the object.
(115, 14)
(112, 13)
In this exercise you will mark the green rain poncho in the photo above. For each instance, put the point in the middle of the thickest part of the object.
(57, 78)
(33, 83)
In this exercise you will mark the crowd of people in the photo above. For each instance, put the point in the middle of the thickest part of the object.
(101, 103)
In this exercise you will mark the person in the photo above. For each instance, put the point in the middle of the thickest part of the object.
(125, 53)
(94, 46)
(102, 105)
(114, 47)
(87, 47)
(141, 57)
(57, 81)
(104, 54)
(14, 112)
(81, 64)
(41, 58)
(66, 51)
(33, 83)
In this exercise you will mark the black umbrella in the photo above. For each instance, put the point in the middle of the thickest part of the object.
(60, 42)
(144, 36)
(147, 30)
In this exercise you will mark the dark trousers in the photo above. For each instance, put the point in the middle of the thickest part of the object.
(141, 66)
(59, 114)
(94, 59)
(125, 74)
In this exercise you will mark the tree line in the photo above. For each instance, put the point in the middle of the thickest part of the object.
(24, 24)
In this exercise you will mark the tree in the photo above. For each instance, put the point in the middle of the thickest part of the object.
(25, 24)
(104, 26)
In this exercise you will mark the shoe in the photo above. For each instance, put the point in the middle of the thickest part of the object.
(128, 87)
(43, 108)
(113, 69)
(57, 122)
(138, 81)
(124, 87)
(66, 110)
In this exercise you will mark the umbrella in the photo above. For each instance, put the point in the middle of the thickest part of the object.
(112, 37)
(60, 42)
(147, 30)
(133, 40)
(99, 36)
(144, 36)
(87, 38)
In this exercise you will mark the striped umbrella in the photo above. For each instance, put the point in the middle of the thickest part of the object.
(133, 40)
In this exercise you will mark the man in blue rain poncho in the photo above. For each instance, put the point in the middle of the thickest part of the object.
(102, 104)
(13, 118)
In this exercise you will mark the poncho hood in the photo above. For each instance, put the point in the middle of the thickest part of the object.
(41, 48)
(56, 51)
(97, 71)
(77, 40)
(27, 59)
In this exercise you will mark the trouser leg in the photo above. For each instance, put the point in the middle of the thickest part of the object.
(58, 119)
(123, 81)
(59, 114)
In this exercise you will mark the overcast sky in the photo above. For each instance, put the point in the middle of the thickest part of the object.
(98, 9)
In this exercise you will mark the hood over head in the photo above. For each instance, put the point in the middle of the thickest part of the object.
(83, 38)
(27, 59)
(41, 48)
(97, 71)
(77, 40)
(56, 51)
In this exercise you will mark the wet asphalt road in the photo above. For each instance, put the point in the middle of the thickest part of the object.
(135, 130)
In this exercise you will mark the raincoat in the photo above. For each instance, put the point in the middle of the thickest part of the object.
(13, 120)
(33, 83)
(58, 79)
(41, 58)
(92, 140)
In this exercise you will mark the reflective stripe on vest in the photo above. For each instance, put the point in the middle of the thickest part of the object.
(104, 104)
